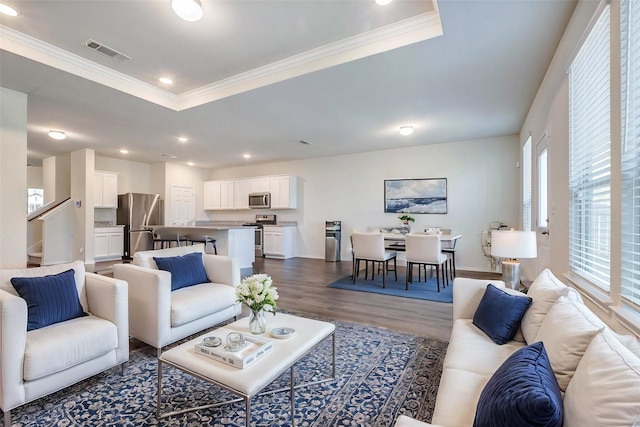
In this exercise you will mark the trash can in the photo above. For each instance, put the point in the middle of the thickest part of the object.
(332, 234)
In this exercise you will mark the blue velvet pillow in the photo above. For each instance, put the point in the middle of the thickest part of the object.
(186, 270)
(50, 299)
(499, 314)
(522, 392)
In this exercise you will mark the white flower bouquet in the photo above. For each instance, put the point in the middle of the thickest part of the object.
(257, 293)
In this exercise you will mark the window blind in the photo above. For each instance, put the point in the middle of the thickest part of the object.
(526, 185)
(630, 150)
(590, 157)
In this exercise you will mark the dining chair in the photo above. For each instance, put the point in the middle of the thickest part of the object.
(449, 249)
(425, 250)
(369, 247)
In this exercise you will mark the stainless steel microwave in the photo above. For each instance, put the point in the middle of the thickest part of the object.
(260, 200)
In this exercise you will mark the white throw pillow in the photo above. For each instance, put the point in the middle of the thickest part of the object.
(544, 291)
(566, 332)
(605, 390)
(629, 341)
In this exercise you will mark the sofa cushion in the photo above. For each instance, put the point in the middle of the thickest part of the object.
(605, 390)
(566, 332)
(499, 314)
(544, 291)
(145, 258)
(466, 338)
(77, 266)
(194, 302)
(186, 270)
(458, 396)
(523, 391)
(73, 342)
(50, 299)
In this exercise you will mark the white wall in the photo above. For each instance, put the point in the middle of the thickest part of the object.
(34, 177)
(482, 187)
(133, 177)
(13, 179)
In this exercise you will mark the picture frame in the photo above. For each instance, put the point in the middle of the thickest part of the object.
(415, 196)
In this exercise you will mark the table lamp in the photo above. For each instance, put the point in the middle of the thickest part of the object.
(512, 245)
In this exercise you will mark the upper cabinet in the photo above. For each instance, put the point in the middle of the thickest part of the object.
(234, 194)
(105, 186)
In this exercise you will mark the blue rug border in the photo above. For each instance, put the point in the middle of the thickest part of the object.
(375, 287)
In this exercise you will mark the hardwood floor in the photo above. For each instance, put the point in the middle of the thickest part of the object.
(302, 285)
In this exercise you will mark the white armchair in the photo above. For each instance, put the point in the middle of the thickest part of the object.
(159, 316)
(39, 362)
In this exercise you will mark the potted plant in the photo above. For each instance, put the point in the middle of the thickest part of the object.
(406, 218)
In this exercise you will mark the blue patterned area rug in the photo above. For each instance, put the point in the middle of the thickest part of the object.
(418, 290)
(380, 375)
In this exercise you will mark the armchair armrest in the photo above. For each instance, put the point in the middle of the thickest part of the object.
(107, 298)
(222, 269)
(13, 338)
(467, 294)
(149, 302)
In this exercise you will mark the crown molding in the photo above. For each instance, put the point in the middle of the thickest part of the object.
(392, 36)
(402, 33)
(29, 47)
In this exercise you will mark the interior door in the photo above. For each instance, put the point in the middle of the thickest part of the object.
(541, 210)
(183, 206)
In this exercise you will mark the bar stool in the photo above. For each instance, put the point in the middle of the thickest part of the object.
(196, 237)
(167, 235)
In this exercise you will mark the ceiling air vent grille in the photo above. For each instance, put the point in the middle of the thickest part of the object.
(106, 50)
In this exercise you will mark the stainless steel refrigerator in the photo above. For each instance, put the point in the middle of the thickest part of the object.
(138, 213)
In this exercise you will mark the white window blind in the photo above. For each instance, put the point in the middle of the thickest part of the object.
(630, 161)
(590, 157)
(526, 185)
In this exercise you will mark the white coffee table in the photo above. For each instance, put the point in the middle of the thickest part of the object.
(250, 381)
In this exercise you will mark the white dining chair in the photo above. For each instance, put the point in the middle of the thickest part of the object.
(369, 247)
(425, 250)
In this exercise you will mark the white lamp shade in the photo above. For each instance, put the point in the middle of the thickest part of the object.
(514, 244)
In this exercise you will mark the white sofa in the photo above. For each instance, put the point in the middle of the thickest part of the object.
(159, 316)
(598, 371)
(38, 362)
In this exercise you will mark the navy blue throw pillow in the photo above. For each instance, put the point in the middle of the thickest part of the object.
(499, 314)
(186, 270)
(522, 392)
(50, 299)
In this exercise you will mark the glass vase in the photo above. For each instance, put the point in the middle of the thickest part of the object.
(257, 322)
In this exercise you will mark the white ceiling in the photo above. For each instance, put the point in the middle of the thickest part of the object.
(258, 76)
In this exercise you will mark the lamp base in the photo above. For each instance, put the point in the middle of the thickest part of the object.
(511, 273)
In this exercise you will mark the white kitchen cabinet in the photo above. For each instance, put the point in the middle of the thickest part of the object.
(226, 195)
(211, 199)
(231, 194)
(241, 190)
(105, 190)
(284, 192)
(108, 243)
(260, 185)
(279, 241)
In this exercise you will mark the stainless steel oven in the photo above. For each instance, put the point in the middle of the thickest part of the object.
(259, 231)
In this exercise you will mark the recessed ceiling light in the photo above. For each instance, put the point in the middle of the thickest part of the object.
(406, 130)
(189, 10)
(166, 80)
(190, 163)
(383, 2)
(8, 10)
(303, 142)
(57, 134)
(124, 151)
(246, 156)
(182, 139)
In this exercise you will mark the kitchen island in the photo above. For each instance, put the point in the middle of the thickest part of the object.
(234, 241)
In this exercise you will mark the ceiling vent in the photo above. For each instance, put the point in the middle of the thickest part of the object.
(106, 50)
(168, 156)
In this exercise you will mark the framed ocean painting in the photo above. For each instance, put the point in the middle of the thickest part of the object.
(417, 196)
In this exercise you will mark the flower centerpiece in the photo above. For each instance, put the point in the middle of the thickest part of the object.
(405, 222)
(258, 293)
